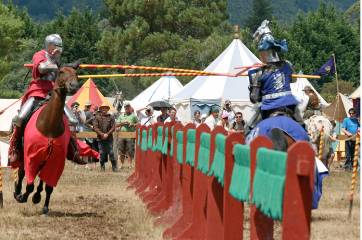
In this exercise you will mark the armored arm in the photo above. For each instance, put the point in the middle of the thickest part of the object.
(47, 67)
(255, 85)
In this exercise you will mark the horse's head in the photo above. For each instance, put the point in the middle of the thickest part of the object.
(67, 79)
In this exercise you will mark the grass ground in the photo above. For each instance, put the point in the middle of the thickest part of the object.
(89, 204)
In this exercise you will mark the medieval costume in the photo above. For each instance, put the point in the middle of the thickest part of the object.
(274, 78)
(46, 65)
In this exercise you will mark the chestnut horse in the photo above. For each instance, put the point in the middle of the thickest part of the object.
(46, 140)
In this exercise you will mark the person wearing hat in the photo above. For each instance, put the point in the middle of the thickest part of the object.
(228, 109)
(127, 122)
(212, 119)
(224, 121)
(80, 115)
(313, 106)
(104, 126)
(146, 119)
(270, 84)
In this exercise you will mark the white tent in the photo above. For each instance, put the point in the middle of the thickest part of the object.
(4, 149)
(297, 90)
(162, 89)
(356, 93)
(338, 110)
(9, 114)
(204, 91)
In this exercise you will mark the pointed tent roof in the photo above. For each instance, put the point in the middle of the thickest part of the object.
(89, 92)
(356, 93)
(162, 89)
(297, 90)
(338, 110)
(218, 87)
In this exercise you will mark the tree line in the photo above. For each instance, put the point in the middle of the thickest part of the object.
(172, 33)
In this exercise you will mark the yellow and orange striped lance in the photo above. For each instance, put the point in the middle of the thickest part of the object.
(90, 93)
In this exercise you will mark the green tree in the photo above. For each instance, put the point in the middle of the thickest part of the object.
(177, 33)
(261, 10)
(329, 90)
(322, 33)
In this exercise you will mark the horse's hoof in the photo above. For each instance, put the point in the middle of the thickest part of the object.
(21, 199)
(36, 198)
(16, 195)
(45, 210)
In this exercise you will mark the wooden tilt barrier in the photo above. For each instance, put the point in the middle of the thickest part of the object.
(197, 182)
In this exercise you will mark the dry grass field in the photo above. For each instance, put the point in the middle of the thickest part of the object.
(89, 204)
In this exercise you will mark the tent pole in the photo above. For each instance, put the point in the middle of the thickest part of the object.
(336, 74)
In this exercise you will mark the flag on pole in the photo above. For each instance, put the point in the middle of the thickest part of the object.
(328, 68)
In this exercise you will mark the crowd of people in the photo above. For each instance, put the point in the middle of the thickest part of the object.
(104, 124)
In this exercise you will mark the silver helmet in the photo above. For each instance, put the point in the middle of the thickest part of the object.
(54, 39)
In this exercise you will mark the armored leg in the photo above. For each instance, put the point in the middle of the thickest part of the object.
(70, 115)
(16, 146)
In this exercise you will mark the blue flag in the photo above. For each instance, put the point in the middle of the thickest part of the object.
(327, 69)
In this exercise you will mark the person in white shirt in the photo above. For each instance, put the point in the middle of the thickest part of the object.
(228, 109)
(224, 121)
(146, 119)
(172, 117)
(197, 118)
(212, 119)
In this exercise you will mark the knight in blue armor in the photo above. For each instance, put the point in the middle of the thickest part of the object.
(270, 84)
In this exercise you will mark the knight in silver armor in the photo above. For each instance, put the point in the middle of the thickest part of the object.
(49, 71)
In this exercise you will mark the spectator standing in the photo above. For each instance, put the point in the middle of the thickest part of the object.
(87, 126)
(212, 119)
(146, 119)
(104, 126)
(197, 118)
(334, 143)
(172, 117)
(350, 127)
(79, 114)
(163, 115)
(239, 124)
(224, 121)
(227, 108)
(88, 115)
(127, 122)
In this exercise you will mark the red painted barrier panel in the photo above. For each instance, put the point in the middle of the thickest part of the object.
(163, 202)
(233, 209)
(297, 203)
(215, 197)
(197, 229)
(175, 211)
(261, 227)
(153, 181)
(144, 167)
(197, 207)
(186, 182)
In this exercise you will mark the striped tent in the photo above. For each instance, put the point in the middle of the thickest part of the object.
(89, 93)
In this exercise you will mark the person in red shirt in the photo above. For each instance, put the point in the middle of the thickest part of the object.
(46, 64)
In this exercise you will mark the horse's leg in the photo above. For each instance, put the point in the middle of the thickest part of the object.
(18, 184)
(37, 197)
(22, 198)
(48, 190)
